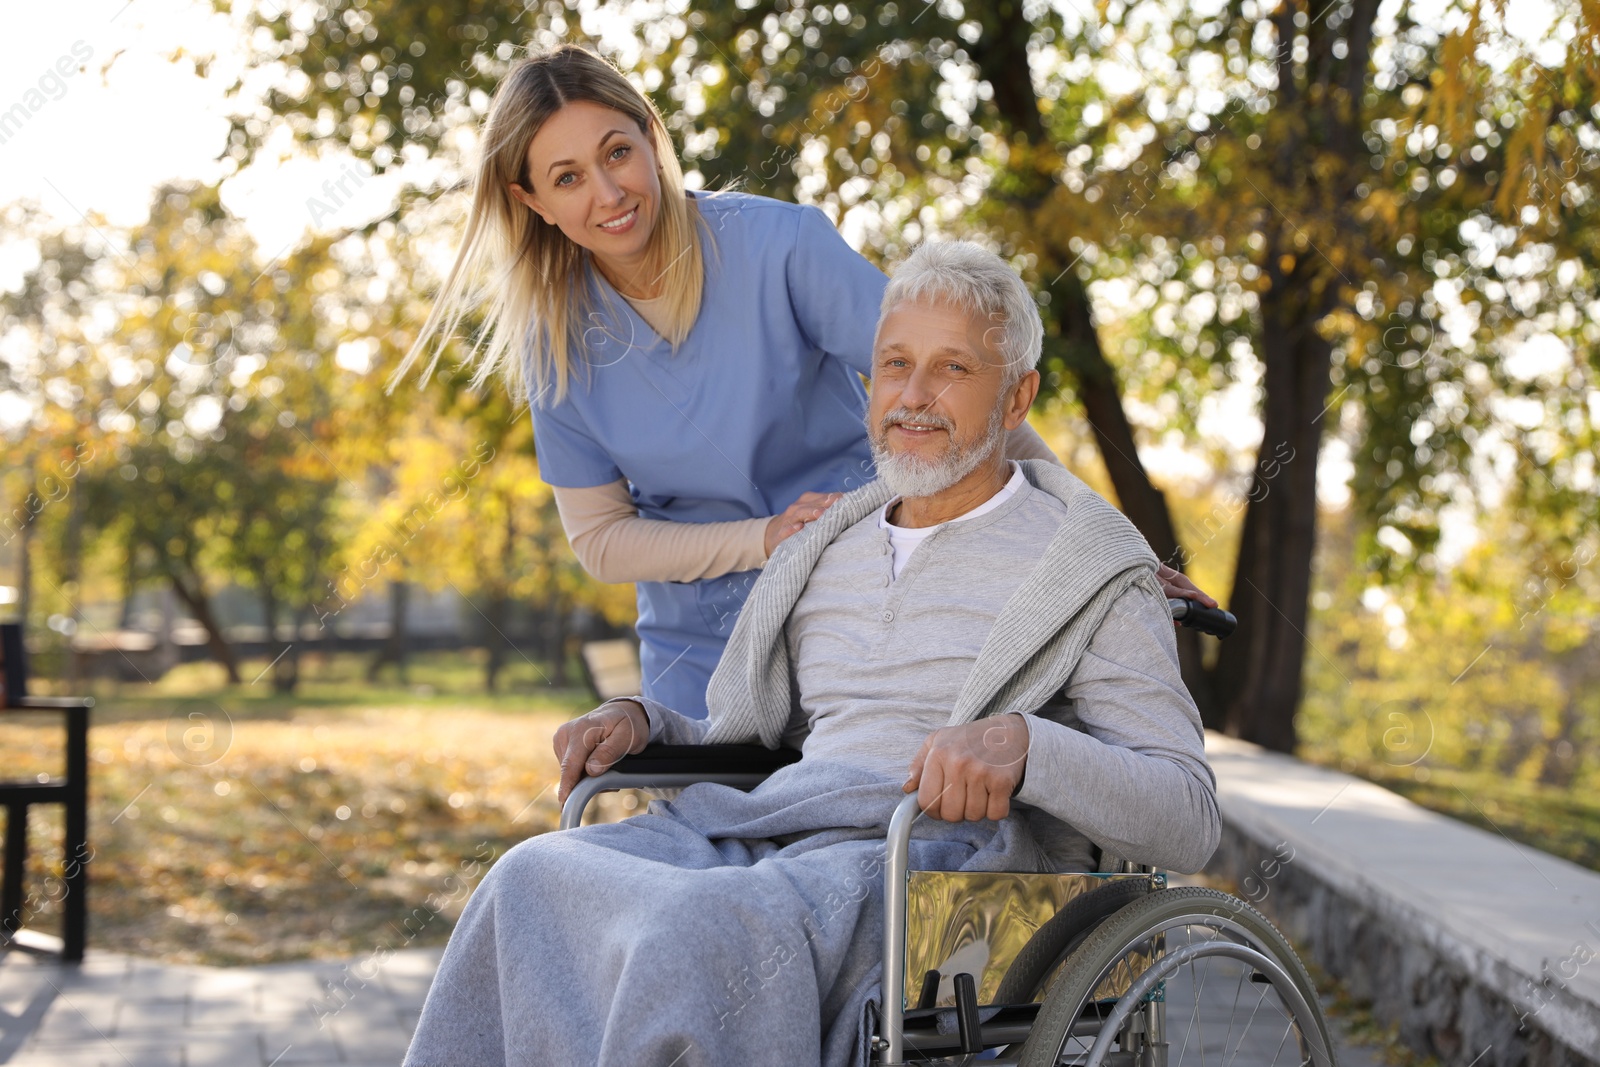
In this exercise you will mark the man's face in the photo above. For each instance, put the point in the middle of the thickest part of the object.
(939, 401)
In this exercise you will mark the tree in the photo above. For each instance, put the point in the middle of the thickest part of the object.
(50, 324)
(214, 468)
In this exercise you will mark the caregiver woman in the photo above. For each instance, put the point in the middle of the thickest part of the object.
(693, 362)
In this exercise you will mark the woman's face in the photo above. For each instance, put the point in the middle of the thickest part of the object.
(592, 172)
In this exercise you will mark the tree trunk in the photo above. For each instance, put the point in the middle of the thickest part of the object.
(286, 671)
(559, 615)
(130, 589)
(1260, 669)
(393, 649)
(500, 606)
(199, 606)
(25, 574)
(285, 662)
(499, 612)
(71, 572)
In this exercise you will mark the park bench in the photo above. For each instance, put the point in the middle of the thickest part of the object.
(18, 794)
(612, 668)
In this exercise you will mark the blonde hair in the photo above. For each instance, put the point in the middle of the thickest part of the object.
(527, 272)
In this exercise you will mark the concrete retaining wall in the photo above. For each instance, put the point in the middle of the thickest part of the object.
(1483, 953)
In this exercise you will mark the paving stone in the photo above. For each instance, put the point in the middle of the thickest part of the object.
(226, 999)
(410, 990)
(236, 1013)
(153, 1015)
(226, 982)
(231, 1050)
(372, 1039)
(102, 1054)
(79, 1015)
(292, 1046)
(145, 982)
(298, 1001)
(421, 962)
(20, 998)
(105, 964)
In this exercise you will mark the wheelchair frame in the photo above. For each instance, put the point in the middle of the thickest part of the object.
(747, 766)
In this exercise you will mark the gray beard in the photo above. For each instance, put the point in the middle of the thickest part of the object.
(908, 475)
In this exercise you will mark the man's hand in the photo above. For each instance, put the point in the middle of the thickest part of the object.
(1175, 584)
(967, 773)
(591, 743)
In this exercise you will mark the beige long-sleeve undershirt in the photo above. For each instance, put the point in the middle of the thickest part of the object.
(614, 544)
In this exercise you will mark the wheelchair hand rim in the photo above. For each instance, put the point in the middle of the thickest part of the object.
(1174, 959)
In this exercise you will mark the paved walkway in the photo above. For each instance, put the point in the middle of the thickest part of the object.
(119, 1011)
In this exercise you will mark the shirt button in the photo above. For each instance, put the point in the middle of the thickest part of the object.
(888, 616)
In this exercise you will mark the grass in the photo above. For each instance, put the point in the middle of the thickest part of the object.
(237, 825)
(1562, 822)
(234, 825)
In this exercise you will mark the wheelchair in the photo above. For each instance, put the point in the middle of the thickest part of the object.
(1041, 970)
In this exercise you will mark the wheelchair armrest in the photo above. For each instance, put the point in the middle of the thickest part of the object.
(674, 766)
(706, 759)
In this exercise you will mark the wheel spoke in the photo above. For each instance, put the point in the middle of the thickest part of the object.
(1248, 1022)
(1283, 1040)
(1194, 1020)
(1238, 990)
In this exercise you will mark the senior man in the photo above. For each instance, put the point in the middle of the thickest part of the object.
(987, 634)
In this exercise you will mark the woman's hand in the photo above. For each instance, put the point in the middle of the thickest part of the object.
(591, 743)
(792, 519)
(1176, 584)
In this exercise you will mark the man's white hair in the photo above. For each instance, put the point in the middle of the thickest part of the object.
(981, 284)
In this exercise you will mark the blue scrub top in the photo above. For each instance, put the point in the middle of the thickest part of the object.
(762, 402)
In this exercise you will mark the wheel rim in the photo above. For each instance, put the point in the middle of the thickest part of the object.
(1207, 992)
(1209, 1008)
(1256, 966)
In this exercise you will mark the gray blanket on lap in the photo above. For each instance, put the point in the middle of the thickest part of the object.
(721, 928)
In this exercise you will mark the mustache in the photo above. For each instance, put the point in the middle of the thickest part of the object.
(905, 414)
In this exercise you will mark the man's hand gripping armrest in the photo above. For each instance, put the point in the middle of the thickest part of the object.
(593, 743)
(970, 772)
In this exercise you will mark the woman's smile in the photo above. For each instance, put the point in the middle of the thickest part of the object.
(621, 223)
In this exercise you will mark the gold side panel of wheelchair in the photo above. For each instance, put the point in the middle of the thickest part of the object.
(979, 922)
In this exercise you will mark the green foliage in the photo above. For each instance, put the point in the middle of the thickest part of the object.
(1490, 670)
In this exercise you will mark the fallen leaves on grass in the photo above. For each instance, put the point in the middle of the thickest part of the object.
(329, 835)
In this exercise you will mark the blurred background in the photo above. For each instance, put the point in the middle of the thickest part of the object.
(331, 628)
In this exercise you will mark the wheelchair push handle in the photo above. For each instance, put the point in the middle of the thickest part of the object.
(1193, 614)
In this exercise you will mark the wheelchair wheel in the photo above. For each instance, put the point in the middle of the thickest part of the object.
(1184, 975)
